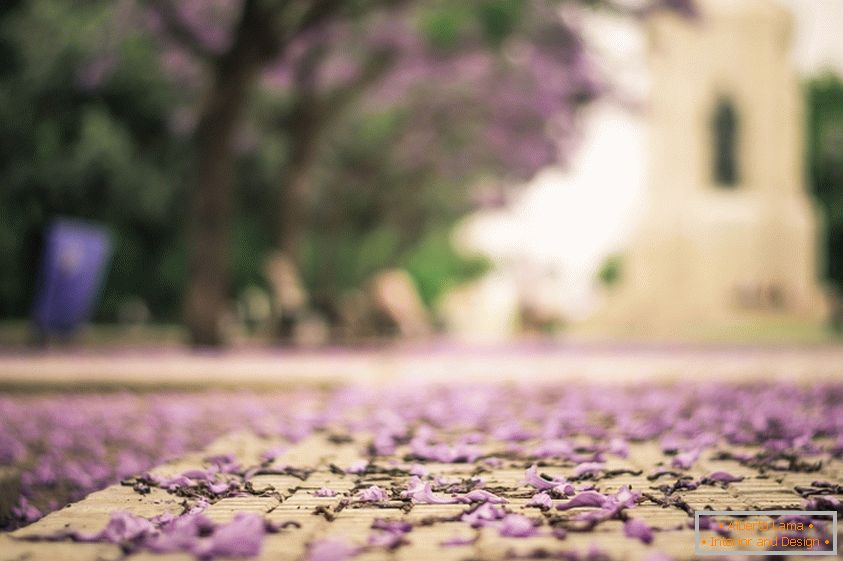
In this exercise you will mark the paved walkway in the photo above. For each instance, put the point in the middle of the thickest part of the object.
(285, 493)
(289, 498)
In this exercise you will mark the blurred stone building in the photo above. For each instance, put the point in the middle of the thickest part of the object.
(698, 200)
(729, 233)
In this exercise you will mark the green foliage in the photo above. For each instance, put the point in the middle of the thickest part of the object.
(90, 127)
(611, 270)
(825, 163)
(370, 214)
(446, 24)
(102, 152)
(500, 18)
(436, 267)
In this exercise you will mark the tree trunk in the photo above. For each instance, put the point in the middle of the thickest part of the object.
(292, 209)
(210, 199)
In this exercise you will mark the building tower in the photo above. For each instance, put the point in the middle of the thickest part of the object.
(729, 236)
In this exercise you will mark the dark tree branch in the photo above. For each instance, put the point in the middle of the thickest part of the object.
(373, 70)
(178, 30)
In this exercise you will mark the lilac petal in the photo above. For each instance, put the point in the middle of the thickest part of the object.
(589, 498)
(461, 452)
(480, 496)
(658, 556)
(122, 527)
(389, 540)
(373, 494)
(199, 507)
(418, 470)
(541, 500)
(619, 447)
(357, 467)
(331, 549)
(636, 528)
(723, 477)
(516, 526)
(197, 474)
(685, 460)
(823, 502)
(225, 463)
(567, 490)
(493, 462)
(324, 492)
(242, 537)
(25, 511)
(483, 515)
(422, 492)
(272, 453)
(532, 477)
(588, 468)
(626, 496)
(222, 487)
(559, 533)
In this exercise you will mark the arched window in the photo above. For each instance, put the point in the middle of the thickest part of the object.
(724, 126)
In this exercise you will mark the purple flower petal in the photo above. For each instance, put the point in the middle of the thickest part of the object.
(723, 477)
(373, 494)
(25, 511)
(685, 460)
(242, 537)
(480, 496)
(589, 498)
(638, 529)
(516, 526)
(532, 477)
(422, 492)
(483, 515)
(357, 467)
(331, 549)
(389, 540)
(541, 500)
(324, 492)
(418, 470)
(588, 468)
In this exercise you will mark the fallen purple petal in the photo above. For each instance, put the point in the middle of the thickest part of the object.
(541, 500)
(331, 549)
(516, 526)
(372, 494)
(723, 477)
(638, 529)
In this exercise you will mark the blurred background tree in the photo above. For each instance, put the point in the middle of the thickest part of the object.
(825, 161)
(347, 134)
